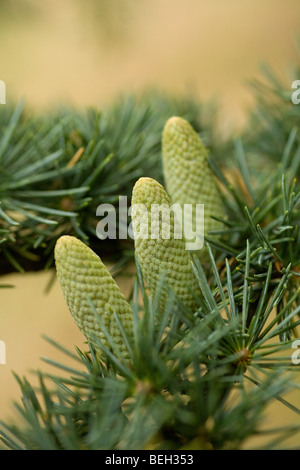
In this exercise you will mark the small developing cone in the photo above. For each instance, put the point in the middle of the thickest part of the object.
(188, 178)
(158, 250)
(81, 273)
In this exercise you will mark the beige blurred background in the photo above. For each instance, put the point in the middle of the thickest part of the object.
(87, 53)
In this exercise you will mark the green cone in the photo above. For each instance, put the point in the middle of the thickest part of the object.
(81, 273)
(188, 178)
(156, 254)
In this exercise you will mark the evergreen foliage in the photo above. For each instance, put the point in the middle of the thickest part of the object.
(196, 379)
(55, 170)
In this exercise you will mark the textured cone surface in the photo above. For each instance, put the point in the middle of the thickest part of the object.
(81, 273)
(159, 256)
(188, 178)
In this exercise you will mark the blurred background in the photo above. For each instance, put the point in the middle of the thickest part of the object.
(88, 53)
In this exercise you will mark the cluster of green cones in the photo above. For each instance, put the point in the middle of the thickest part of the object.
(94, 299)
